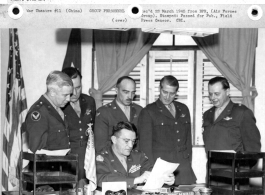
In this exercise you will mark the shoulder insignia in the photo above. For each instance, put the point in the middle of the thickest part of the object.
(98, 113)
(99, 158)
(183, 115)
(35, 116)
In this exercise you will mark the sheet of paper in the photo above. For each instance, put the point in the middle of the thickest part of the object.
(52, 152)
(155, 180)
(228, 151)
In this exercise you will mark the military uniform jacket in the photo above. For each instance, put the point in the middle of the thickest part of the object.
(110, 169)
(234, 129)
(162, 135)
(45, 127)
(78, 126)
(109, 115)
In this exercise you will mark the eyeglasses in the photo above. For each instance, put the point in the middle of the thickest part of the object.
(134, 141)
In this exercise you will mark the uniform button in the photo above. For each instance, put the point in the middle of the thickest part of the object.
(59, 130)
(40, 102)
(177, 131)
(69, 143)
(178, 140)
(176, 122)
(80, 129)
(68, 135)
(79, 121)
(81, 137)
(162, 123)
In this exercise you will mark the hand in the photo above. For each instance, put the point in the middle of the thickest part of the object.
(142, 178)
(169, 179)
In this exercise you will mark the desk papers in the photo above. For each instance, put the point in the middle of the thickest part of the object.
(156, 180)
(51, 152)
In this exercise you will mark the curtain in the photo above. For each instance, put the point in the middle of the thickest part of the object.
(232, 51)
(73, 53)
(118, 52)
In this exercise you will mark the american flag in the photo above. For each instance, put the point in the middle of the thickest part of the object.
(15, 113)
(90, 163)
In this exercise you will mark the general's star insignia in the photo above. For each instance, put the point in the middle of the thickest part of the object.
(35, 116)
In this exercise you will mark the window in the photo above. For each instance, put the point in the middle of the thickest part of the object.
(193, 70)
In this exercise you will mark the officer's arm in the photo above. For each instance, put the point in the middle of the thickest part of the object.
(249, 132)
(101, 130)
(145, 164)
(145, 128)
(105, 173)
(37, 130)
(189, 139)
(93, 111)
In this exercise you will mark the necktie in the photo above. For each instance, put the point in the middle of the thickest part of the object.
(217, 113)
(123, 162)
(76, 108)
(60, 112)
(171, 109)
(127, 112)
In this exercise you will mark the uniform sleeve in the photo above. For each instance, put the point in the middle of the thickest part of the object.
(106, 174)
(37, 130)
(145, 164)
(145, 127)
(101, 130)
(93, 112)
(250, 133)
(189, 141)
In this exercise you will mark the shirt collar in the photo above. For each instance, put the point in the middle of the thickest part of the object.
(121, 106)
(47, 97)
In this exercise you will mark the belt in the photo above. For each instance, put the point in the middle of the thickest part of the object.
(79, 143)
(181, 148)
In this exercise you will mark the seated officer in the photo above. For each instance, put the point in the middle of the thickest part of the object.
(119, 162)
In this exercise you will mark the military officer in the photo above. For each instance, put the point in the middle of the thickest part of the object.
(119, 162)
(79, 113)
(120, 109)
(45, 124)
(165, 131)
(228, 126)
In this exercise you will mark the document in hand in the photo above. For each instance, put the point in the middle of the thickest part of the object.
(156, 178)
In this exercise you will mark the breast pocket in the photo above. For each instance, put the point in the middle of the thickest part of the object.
(232, 128)
(57, 135)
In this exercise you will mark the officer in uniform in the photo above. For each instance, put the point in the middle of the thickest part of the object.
(120, 109)
(165, 131)
(228, 126)
(79, 113)
(45, 124)
(119, 162)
